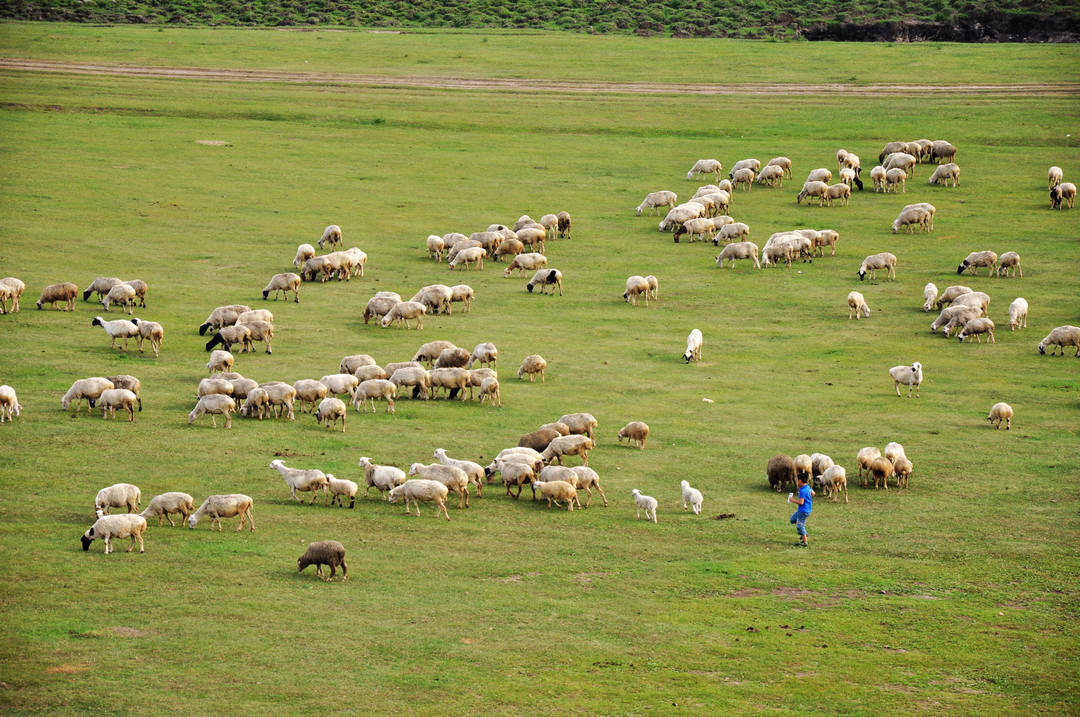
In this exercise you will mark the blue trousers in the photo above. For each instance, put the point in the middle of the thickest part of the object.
(798, 518)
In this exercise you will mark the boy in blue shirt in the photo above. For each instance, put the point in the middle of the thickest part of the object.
(805, 502)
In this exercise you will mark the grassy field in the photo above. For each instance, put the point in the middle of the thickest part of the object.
(958, 594)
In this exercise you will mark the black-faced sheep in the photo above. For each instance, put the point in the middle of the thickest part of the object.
(1061, 337)
(545, 278)
(976, 259)
(108, 527)
(875, 262)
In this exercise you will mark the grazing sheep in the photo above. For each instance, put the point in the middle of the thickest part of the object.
(880, 470)
(691, 497)
(489, 391)
(228, 336)
(300, 479)
(329, 411)
(474, 471)
(429, 352)
(220, 361)
(952, 316)
(646, 503)
(655, 200)
(366, 373)
(977, 327)
(572, 445)
(705, 166)
(743, 176)
(374, 388)
(65, 292)
(1009, 263)
(951, 294)
(116, 526)
(380, 304)
(115, 398)
(1062, 336)
(224, 506)
(324, 552)
(564, 222)
(636, 286)
(428, 491)
(580, 424)
(893, 451)
(877, 176)
(532, 365)
(539, 439)
(381, 478)
(837, 191)
(284, 283)
(902, 469)
(122, 294)
(847, 176)
(308, 390)
(819, 463)
(1063, 195)
(453, 357)
(900, 160)
(403, 311)
(516, 473)
(738, 250)
(874, 262)
(508, 247)
(771, 175)
(338, 487)
(545, 278)
(436, 245)
(484, 354)
(525, 262)
(88, 388)
(414, 376)
(911, 376)
(1018, 311)
(833, 480)
(473, 254)
(213, 404)
(166, 503)
(693, 346)
(930, 293)
(976, 259)
(118, 495)
(942, 151)
(279, 397)
(896, 177)
(455, 479)
(331, 235)
(303, 253)
(804, 466)
(340, 383)
(731, 232)
(782, 162)
(455, 380)
(9, 403)
(118, 329)
(813, 189)
(534, 237)
(1001, 412)
(857, 306)
(436, 298)
(223, 316)
(636, 431)
(556, 490)
(679, 215)
(945, 174)
(821, 174)
(654, 286)
(865, 459)
(1055, 175)
(100, 286)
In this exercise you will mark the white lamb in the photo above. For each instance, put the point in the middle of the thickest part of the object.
(338, 487)
(857, 306)
(474, 471)
(9, 403)
(693, 346)
(646, 503)
(118, 329)
(1018, 311)
(930, 293)
(691, 496)
(299, 479)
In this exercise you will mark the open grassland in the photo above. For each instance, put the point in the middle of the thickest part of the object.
(958, 594)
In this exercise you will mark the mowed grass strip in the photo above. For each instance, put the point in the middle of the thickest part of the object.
(956, 594)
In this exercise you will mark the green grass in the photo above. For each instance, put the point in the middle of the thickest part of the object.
(955, 595)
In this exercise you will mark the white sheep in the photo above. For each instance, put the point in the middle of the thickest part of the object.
(65, 292)
(530, 261)
(122, 294)
(636, 286)
(900, 160)
(101, 286)
(977, 259)
(913, 216)
(436, 245)
(455, 479)
(531, 366)
(951, 294)
(580, 424)
(782, 162)
(1008, 264)
(877, 176)
(545, 278)
(895, 177)
(693, 346)
(911, 376)
(1054, 176)
(284, 283)
(116, 526)
(428, 491)
(118, 495)
(744, 176)
(847, 176)
(338, 487)
(875, 262)
(436, 298)
(115, 398)
(655, 200)
(340, 383)
(654, 286)
(771, 175)
(646, 503)
(414, 376)
(833, 480)
(150, 331)
(976, 327)
(331, 235)
(9, 403)
(223, 316)
(572, 445)
(380, 304)
(489, 391)
(945, 174)
(1062, 336)
(118, 329)
(303, 253)
(857, 306)
(220, 361)
(483, 354)
(738, 250)
(865, 459)
(680, 214)
(930, 293)
(999, 412)
(224, 506)
(556, 490)
(330, 411)
(952, 316)
(1018, 311)
(813, 189)
(88, 388)
(691, 497)
(372, 389)
(214, 404)
(636, 431)
(731, 232)
(473, 470)
(301, 479)
(705, 166)
(381, 478)
(403, 311)
(821, 174)
(474, 254)
(166, 503)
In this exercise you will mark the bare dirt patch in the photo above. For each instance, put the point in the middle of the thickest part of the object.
(121, 631)
(66, 669)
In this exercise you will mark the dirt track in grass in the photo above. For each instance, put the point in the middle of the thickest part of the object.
(536, 85)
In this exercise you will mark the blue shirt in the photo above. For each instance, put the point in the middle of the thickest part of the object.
(808, 500)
